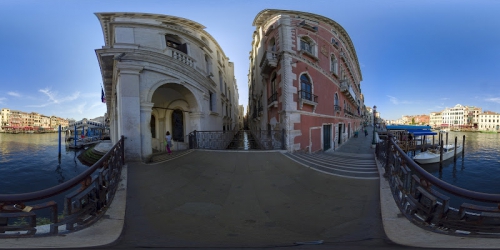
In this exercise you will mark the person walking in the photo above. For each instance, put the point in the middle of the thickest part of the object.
(366, 132)
(168, 139)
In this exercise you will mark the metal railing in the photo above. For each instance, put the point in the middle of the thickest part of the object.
(86, 199)
(434, 204)
(210, 139)
(308, 96)
(218, 140)
(270, 139)
(272, 98)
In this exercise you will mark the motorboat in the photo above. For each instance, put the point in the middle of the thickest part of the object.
(432, 155)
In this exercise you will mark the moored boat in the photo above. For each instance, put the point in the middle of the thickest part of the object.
(432, 155)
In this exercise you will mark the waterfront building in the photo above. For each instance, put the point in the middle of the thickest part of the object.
(489, 121)
(472, 116)
(163, 73)
(304, 80)
(435, 119)
(4, 118)
(45, 122)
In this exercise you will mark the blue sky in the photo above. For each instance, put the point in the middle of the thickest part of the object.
(416, 56)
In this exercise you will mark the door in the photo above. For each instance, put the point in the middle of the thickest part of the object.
(340, 134)
(178, 125)
(327, 137)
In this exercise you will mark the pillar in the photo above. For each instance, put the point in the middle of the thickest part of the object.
(128, 109)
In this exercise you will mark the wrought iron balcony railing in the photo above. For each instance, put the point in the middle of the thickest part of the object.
(272, 98)
(304, 95)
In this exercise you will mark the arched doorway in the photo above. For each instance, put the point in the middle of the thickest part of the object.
(178, 125)
(152, 125)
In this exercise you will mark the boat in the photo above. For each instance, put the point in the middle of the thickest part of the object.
(432, 155)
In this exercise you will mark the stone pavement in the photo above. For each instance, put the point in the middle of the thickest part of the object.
(252, 200)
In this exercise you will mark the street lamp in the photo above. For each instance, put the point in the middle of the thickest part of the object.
(374, 119)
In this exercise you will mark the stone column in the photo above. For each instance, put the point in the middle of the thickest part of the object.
(146, 147)
(128, 109)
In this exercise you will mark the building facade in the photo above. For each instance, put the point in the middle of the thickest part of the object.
(304, 79)
(163, 73)
(489, 121)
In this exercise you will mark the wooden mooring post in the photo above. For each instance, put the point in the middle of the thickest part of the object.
(463, 148)
(455, 151)
(441, 157)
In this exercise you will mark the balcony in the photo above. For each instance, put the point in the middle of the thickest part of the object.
(346, 88)
(308, 98)
(337, 108)
(268, 62)
(184, 58)
(273, 100)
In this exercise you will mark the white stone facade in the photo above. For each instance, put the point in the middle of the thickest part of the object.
(163, 73)
(489, 121)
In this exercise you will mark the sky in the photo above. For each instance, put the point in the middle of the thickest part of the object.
(416, 56)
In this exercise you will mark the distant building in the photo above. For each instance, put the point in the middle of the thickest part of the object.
(489, 121)
(305, 80)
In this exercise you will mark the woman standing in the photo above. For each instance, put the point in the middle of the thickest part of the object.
(168, 138)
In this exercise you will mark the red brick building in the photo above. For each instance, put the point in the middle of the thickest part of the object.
(304, 79)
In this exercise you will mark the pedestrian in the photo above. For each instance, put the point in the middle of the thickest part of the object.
(168, 139)
(366, 132)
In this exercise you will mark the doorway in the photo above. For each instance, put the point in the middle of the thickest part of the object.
(327, 137)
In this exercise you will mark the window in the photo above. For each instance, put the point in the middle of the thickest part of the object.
(273, 95)
(208, 65)
(307, 45)
(212, 101)
(334, 64)
(174, 42)
(336, 104)
(272, 45)
(220, 82)
(305, 87)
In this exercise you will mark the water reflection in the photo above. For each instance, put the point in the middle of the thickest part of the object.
(27, 162)
(478, 168)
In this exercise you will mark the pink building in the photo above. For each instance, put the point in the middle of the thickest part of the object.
(304, 79)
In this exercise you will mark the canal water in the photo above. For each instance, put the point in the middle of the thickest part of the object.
(30, 162)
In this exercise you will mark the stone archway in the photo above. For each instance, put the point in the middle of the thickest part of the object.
(176, 110)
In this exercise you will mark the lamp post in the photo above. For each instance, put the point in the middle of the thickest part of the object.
(374, 119)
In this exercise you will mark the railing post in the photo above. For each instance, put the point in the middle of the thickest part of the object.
(122, 146)
(388, 154)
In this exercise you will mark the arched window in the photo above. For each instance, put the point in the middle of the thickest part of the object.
(336, 103)
(334, 65)
(305, 87)
(307, 45)
(272, 45)
(273, 95)
(208, 65)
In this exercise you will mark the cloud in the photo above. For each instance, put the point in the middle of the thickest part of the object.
(54, 98)
(444, 98)
(14, 94)
(395, 100)
(496, 100)
(2, 99)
